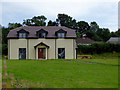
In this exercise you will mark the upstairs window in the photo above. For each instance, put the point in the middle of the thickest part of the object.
(22, 35)
(42, 35)
(61, 35)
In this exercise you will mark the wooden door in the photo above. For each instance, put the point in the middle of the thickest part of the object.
(40, 53)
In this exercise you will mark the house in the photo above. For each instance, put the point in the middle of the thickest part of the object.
(42, 42)
(86, 41)
(114, 40)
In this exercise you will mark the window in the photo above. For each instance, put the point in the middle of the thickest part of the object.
(22, 35)
(22, 53)
(42, 35)
(61, 35)
(61, 53)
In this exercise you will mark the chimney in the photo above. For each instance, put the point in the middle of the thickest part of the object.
(83, 36)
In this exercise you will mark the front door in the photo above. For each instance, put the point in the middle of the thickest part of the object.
(41, 53)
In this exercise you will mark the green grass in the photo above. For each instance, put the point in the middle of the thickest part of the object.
(64, 74)
(113, 55)
(100, 61)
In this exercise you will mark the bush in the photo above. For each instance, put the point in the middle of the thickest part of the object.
(4, 49)
(98, 48)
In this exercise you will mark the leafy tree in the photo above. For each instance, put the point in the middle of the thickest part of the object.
(113, 34)
(4, 35)
(104, 33)
(50, 23)
(65, 20)
(94, 26)
(6, 30)
(92, 35)
(78, 35)
(14, 25)
(82, 27)
(118, 33)
(35, 21)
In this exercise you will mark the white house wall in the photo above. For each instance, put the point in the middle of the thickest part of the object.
(15, 44)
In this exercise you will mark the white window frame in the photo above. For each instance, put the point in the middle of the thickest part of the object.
(22, 35)
(61, 35)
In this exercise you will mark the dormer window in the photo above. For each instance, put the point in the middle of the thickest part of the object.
(60, 33)
(42, 33)
(22, 33)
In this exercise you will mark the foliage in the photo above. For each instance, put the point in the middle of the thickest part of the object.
(82, 27)
(98, 48)
(65, 20)
(14, 25)
(4, 49)
(35, 21)
(50, 23)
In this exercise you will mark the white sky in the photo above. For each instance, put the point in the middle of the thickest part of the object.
(104, 12)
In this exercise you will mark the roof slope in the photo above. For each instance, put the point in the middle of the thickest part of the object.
(50, 29)
(84, 40)
(114, 40)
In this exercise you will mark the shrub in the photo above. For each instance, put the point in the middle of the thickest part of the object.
(4, 49)
(98, 48)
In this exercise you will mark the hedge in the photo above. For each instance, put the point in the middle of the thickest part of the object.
(98, 48)
(4, 49)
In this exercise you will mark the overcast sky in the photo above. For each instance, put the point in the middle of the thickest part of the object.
(104, 12)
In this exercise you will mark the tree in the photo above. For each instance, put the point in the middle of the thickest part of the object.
(65, 20)
(50, 23)
(4, 35)
(113, 34)
(14, 25)
(82, 27)
(35, 21)
(104, 33)
(92, 35)
(94, 26)
(5, 31)
(118, 33)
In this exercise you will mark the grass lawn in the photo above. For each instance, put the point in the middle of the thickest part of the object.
(64, 74)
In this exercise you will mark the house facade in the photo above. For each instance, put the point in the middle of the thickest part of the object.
(42, 42)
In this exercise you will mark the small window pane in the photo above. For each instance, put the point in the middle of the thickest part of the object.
(42, 35)
(22, 35)
(61, 35)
